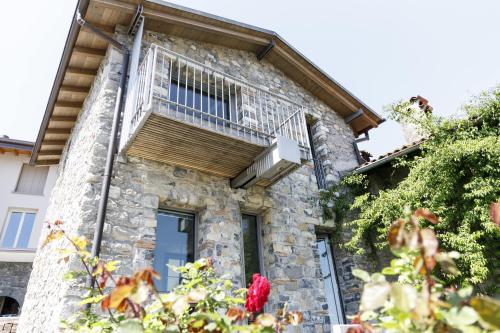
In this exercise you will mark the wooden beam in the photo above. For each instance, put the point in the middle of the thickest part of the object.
(81, 71)
(54, 142)
(57, 152)
(189, 23)
(105, 28)
(70, 105)
(58, 131)
(63, 118)
(89, 51)
(74, 89)
(47, 162)
(349, 119)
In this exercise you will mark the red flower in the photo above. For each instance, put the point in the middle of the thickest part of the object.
(257, 293)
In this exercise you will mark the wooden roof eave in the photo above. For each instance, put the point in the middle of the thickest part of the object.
(164, 16)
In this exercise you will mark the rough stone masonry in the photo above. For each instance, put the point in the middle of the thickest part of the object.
(289, 208)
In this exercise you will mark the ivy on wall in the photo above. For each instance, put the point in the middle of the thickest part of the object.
(457, 176)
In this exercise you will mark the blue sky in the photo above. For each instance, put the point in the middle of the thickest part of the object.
(381, 50)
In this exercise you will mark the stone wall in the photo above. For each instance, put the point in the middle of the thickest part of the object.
(289, 208)
(74, 200)
(14, 278)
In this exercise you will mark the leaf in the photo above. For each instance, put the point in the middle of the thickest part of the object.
(396, 234)
(235, 314)
(180, 306)
(119, 294)
(294, 318)
(196, 295)
(426, 214)
(210, 327)
(429, 242)
(80, 242)
(403, 296)
(465, 292)
(130, 326)
(52, 236)
(447, 263)
(94, 300)
(488, 309)
(111, 265)
(361, 274)
(266, 320)
(495, 213)
(140, 294)
(464, 317)
(374, 295)
(377, 277)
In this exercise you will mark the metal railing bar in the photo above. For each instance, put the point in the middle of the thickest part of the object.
(223, 73)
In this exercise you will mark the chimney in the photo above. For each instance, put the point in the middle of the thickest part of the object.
(412, 132)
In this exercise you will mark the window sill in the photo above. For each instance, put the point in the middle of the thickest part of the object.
(6, 249)
(27, 193)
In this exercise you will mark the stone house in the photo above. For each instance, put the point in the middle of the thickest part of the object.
(224, 135)
(24, 197)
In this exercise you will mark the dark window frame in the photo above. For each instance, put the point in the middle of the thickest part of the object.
(195, 231)
(258, 221)
(319, 172)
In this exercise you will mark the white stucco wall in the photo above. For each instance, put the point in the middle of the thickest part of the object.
(10, 169)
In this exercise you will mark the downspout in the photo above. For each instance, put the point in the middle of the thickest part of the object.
(112, 147)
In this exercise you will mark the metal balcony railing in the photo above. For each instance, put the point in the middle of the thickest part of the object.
(178, 87)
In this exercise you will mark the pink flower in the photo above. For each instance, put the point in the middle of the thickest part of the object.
(258, 292)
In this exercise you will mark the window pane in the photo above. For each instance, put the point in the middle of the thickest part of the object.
(174, 246)
(331, 288)
(10, 233)
(250, 246)
(32, 179)
(25, 234)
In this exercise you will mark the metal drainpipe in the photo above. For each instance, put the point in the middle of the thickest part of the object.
(108, 169)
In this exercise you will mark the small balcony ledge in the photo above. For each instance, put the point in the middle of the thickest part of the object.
(184, 113)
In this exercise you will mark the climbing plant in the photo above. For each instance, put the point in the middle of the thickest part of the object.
(457, 176)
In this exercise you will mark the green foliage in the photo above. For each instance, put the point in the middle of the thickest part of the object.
(457, 176)
(416, 300)
(202, 302)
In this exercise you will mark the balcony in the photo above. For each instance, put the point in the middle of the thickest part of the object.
(184, 113)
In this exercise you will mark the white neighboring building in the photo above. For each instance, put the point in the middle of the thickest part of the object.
(24, 196)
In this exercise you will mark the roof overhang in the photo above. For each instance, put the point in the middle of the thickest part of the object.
(17, 147)
(83, 53)
(389, 157)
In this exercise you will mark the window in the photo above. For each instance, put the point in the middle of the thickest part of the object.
(32, 179)
(175, 242)
(206, 93)
(318, 167)
(328, 272)
(9, 307)
(251, 250)
(17, 229)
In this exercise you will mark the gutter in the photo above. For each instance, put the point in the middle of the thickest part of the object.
(74, 30)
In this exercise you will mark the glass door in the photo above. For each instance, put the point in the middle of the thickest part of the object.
(328, 272)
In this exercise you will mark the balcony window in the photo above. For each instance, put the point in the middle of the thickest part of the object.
(175, 242)
(32, 179)
(251, 246)
(17, 229)
(188, 98)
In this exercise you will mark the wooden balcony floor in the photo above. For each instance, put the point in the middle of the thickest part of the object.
(166, 140)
